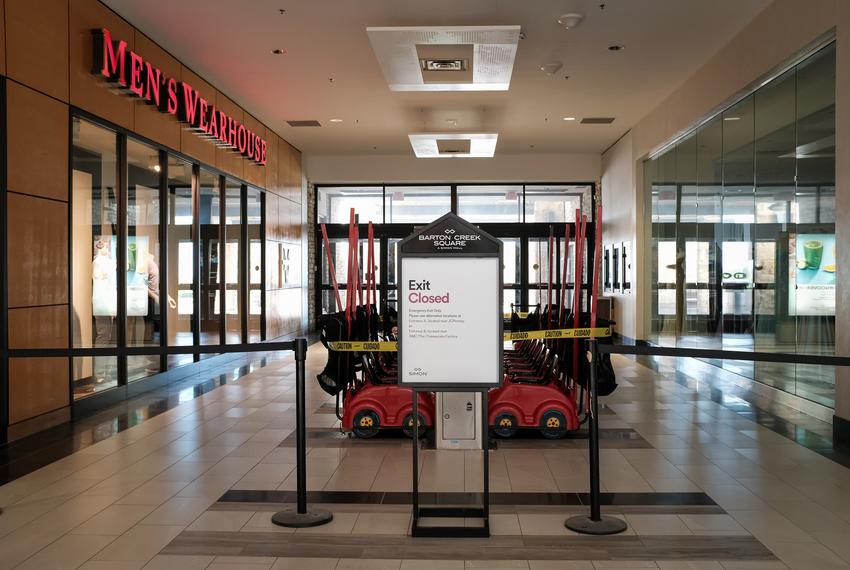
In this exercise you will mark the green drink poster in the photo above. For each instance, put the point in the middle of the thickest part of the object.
(812, 275)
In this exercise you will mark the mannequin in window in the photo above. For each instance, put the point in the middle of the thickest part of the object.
(104, 294)
(104, 305)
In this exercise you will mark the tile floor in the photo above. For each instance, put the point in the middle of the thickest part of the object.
(701, 486)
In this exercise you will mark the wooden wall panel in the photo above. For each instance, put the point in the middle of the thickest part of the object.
(271, 161)
(87, 91)
(255, 173)
(38, 251)
(286, 220)
(272, 225)
(150, 122)
(294, 175)
(225, 159)
(190, 143)
(39, 327)
(37, 155)
(36, 386)
(283, 168)
(2, 37)
(37, 45)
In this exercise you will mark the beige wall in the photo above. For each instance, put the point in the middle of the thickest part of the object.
(619, 223)
(46, 54)
(775, 36)
(321, 169)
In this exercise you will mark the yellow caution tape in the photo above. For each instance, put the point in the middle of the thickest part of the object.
(520, 315)
(560, 333)
(392, 346)
(383, 346)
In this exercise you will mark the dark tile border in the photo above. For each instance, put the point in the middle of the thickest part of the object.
(501, 547)
(456, 498)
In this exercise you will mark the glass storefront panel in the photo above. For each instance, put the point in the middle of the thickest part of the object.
(255, 264)
(814, 249)
(416, 204)
(209, 219)
(333, 204)
(181, 259)
(232, 262)
(489, 204)
(129, 272)
(556, 203)
(757, 232)
(143, 257)
(94, 238)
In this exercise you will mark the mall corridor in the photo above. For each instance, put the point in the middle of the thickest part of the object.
(700, 483)
(424, 284)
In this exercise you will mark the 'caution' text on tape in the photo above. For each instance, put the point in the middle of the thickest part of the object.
(597, 332)
(387, 346)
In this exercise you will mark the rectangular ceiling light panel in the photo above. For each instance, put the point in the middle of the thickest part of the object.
(450, 58)
(449, 145)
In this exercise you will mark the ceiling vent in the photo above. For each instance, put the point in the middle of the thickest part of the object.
(450, 58)
(452, 145)
(597, 120)
(310, 123)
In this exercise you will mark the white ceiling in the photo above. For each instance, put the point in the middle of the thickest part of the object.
(229, 43)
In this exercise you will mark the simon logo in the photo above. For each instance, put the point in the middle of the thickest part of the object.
(417, 372)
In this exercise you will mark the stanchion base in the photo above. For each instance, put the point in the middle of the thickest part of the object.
(293, 519)
(585, 525)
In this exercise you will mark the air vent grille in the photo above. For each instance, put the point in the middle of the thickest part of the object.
(310, 123)
(597, 120)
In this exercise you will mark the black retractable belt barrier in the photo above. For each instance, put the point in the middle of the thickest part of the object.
(301, 517)
(595, 523)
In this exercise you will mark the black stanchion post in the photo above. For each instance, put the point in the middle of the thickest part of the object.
(300, 517)
(595, 523)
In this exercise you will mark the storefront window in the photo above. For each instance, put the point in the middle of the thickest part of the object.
(165, 253)
(233, 259)
(255, 263)
(333, 204)
(143, 257)
(489, 204)
(210, 295)
(754, 224)
(556, 203)
(181, 260)
(95, 254)
(416, 204)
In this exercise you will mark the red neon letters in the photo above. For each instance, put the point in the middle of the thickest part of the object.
(117, 64)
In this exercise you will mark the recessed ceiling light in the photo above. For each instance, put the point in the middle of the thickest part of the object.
(334, 120)
(617, 47)
(278, 51)
(569, 118)
(570, 21)
(731, 118)
(551, 67)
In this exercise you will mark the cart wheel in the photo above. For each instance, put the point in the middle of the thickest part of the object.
(407, 425)
(553, 424)
(506, 425)
(366, 424)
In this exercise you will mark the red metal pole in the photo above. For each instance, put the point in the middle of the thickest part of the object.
(331, 268)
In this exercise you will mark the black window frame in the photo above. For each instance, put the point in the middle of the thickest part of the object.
(125, 389)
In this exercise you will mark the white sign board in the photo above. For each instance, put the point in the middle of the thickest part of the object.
(450, 307)
(449, 319)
